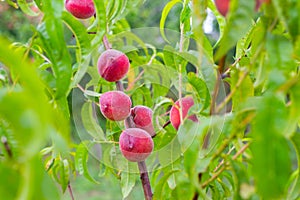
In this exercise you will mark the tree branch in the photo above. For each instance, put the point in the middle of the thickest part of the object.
(224, 166)
(145, 180)
(6, 146)
(106, 43)
(70, 191)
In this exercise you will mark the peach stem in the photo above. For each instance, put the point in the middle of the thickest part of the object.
(145, 180)
(106, 43)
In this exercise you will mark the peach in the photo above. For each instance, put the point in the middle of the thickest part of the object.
(135, 144)
(81, 9)
(141, 117)
(187, 103)
(115, 105)
(113, 65)
(222, 6)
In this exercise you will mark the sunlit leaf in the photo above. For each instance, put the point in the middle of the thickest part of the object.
(158, 190)
(164, 16)
(81, 159)
(128, 180)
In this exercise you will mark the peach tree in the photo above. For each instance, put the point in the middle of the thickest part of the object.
(178, 114)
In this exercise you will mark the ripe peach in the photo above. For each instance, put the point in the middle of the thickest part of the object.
(115, 105)
(80, 9)
(187, 103)
(141, 117)
(113, 65)
(222, 6)
(135, 144)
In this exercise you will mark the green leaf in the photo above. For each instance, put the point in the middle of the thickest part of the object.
(116, 10)
(280, 53)
(51, 34)
(168, 56)
(10, 181)
(164, 15)
(25, 7)
(101, 22)
(83, 45)
(238, 24)
(271, 160)
(240, 178)
(81, 159)
(221, 20)
(200, 87)
(294, 193)
(34, 183)
(128, 180)
(217, 190)
(64, 174)
(142, 96)
(184, 189)
(32, 114)
(12, 3)
(89, 122)
(158, 190)
(130, 38)
(245, 89)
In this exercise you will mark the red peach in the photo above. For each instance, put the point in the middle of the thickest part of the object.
(135, 144)
(141, 117)
(222, 6)
(115, 105)
(187, 103)
(81, 9)
(113, 65)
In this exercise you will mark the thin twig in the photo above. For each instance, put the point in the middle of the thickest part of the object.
(106, 43)
(222, 162)
(131, 84)
(6, 146)
(70, 191)
(228, 140)
(81, 88)
(120, 86)
(242, 150)
(226, 73)
(180, 73)
(166, 124)
(233, 91)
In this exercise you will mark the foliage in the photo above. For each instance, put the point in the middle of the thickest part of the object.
(246, 144)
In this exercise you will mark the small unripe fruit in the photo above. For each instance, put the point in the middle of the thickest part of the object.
(113, 65)
(187, 103)
(81, 9)
(222, 6)
(141, 117)
(115, 105)
(135, 144)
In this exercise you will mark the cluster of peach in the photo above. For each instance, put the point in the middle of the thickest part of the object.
(135, 141)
